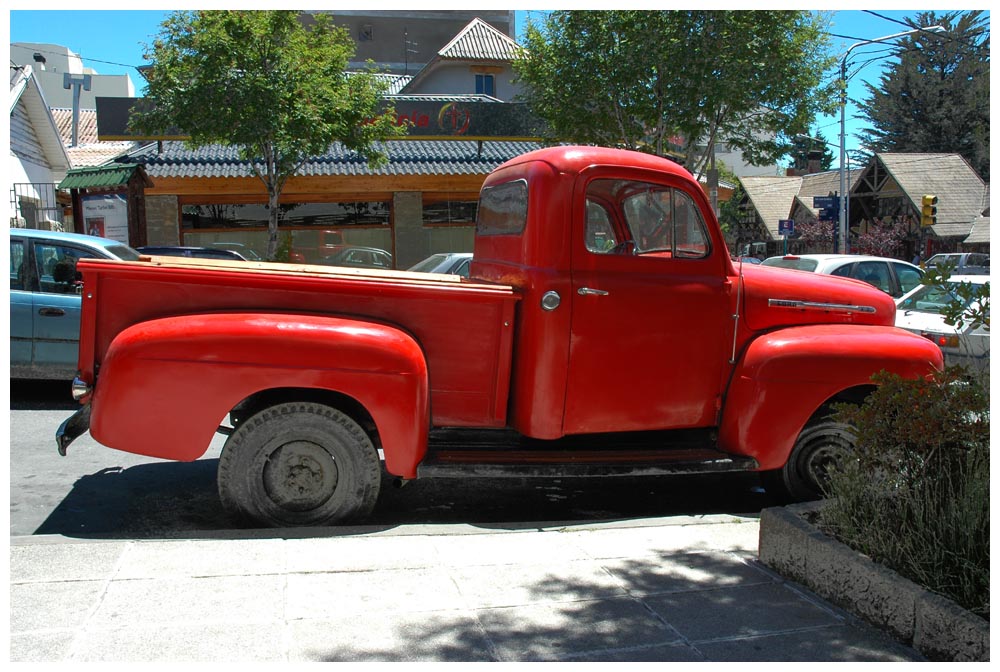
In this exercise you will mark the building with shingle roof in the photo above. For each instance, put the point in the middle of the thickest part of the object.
(893, 184)
(978, 239)
(771, 199)
(89, 151)
(38, 159)
(888, 189)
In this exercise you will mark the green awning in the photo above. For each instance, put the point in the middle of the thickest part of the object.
(101, 177)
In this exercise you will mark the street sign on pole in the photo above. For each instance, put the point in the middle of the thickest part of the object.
(786, 227)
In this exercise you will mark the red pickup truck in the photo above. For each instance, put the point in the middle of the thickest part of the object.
(604, 331)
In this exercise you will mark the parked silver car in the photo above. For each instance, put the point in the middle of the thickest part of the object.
(45, 299)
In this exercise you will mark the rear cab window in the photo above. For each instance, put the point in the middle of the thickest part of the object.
(503, 209)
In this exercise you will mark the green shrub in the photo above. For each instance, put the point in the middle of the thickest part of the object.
(915, 496)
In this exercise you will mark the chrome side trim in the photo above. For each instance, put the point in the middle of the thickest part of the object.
(813, 305)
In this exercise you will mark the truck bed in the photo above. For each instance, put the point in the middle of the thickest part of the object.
(464, 327)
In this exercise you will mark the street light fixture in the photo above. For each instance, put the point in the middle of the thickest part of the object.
(842, 224)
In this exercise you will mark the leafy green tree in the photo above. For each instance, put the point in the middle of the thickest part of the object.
(265, 83)
(647, 80)
(936, 98)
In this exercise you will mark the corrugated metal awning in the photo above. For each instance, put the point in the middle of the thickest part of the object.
(102, 177)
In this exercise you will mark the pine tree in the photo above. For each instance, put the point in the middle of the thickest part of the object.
(936, 98)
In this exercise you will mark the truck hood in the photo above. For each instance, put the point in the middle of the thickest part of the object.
(778, 297)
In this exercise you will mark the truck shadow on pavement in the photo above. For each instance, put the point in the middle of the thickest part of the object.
(172, 499)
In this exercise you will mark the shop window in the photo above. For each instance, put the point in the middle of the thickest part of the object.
(449, 213)
(291, 215)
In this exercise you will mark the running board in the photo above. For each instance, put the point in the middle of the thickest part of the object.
(503, 453)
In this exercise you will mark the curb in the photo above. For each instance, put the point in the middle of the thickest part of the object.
(936, 626)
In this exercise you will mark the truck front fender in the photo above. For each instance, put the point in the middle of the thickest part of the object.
(785, 376)
(165, 385)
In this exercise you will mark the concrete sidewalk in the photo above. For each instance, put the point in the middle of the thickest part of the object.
(670, 589)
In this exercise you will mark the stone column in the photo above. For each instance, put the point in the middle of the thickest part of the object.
(163, 220)
(410, 239)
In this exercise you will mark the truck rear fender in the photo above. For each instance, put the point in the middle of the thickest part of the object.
(166, 384)
(786, 377)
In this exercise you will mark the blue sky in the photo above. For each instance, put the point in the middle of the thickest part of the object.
(110, 42)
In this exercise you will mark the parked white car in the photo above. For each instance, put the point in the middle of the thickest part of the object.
(920, 312)
(892, 276)
(454, 263)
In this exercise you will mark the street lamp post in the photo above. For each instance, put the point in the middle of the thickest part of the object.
(842, 223)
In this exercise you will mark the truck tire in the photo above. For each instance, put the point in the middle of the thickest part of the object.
(299, 464)
(822, 445)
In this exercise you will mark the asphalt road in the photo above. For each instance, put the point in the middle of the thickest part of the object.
(98, 492)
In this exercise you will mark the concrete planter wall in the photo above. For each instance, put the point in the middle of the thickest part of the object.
(935, 626)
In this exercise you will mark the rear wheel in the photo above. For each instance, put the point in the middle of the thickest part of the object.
(822, 446)
(298, 464)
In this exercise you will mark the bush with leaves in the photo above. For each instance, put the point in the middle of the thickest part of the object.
(915, 495)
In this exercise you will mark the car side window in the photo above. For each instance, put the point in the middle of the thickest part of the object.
(908, 277)
(657, 219)
(875, 273)
(600, 236)
(56, 266)
(17, 267)
(844, 271)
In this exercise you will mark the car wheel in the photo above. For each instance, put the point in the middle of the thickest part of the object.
(820, 448)
(299, 464)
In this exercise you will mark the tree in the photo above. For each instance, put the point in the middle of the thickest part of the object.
(816, 235)
(809, 146)
(882, 239)
(647, 80)
(263, 82)
(936, 98)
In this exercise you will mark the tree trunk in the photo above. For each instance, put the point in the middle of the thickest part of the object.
(272, 222)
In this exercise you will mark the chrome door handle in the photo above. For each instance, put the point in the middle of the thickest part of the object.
(51, 312)
(587, 291)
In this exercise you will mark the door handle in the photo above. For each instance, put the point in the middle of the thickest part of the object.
(51, 312)
(587, 291)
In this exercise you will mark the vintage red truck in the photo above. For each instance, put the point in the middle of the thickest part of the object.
(604, 330)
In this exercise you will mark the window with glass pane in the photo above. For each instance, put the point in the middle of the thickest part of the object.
(16, 264)
(56, 267)
(485, 85)
(503, 209)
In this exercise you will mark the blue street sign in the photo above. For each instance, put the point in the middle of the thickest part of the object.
(825, 202)
(786, 227)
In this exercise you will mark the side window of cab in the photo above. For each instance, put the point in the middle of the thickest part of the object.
(654, 219)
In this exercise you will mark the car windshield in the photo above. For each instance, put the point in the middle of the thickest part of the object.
(933, 299)
(428, 264)
(123, 252)
(792, 262)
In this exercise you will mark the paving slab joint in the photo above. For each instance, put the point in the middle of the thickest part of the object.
(935, 626)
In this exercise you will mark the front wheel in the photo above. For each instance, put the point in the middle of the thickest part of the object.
(299, 464)
(821, 447)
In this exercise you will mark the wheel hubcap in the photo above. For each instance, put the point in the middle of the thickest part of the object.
(300, 476)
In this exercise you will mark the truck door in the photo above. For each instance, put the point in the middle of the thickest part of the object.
(652, 312)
